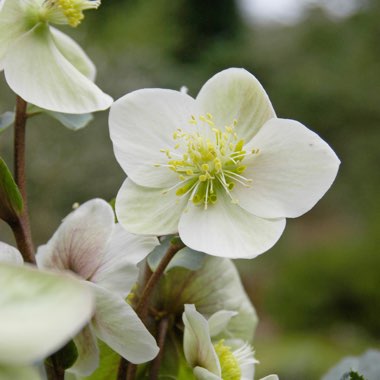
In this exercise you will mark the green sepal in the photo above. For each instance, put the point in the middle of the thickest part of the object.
(6, 120)
(11, 203)
(184, 258)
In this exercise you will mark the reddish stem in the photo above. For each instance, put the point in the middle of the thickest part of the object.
(21, 228)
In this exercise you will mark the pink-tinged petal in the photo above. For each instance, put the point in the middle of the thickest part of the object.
(197, 345)
(291, 173)
(80, 241)
(118, 269)
(145, 210)
(142, 124)
(227, 230)
(88, 353)
(235, 94)
(117, 324)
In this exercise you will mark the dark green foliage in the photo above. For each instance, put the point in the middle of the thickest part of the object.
(352, 375)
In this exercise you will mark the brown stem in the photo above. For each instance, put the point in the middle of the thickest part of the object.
(128, 371)
(161, 337)
(21, 228)
(53, 369)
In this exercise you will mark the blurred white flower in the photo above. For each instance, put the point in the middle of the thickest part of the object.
(220, 169)
(40, 312)
(43, 65)
(91, 245)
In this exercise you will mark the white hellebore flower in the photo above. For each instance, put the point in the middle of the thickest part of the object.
(40, 312)
(43, 65)
(224, 360)
(220, 169)
(91, 245)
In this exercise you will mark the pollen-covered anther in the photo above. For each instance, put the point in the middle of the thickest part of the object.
(67, 11)
(207, 160)
(229, 364)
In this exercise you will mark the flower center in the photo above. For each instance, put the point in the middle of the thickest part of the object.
(207, 160)
(67, 11)
(229, 364)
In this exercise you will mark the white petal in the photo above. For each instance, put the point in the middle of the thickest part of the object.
(144, 210)
(235, 94)
(74, 53)
(293, 170)
(203, 374)
(40, 312)
(118, 269)
(142, 123)
(219, 321)
(197, 345)
(88, 353)
(270, 377)
(9, 254)
(12, 25)
(79, 243)
(19, 373)
(227, 230)
(116, 323)
(36, 70)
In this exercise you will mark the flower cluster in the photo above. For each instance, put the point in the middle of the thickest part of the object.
(221, 172)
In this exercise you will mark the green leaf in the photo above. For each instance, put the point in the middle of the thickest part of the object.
(66, 356)
(108, 365)
(11, 204)
(184, 258)
(6, 120)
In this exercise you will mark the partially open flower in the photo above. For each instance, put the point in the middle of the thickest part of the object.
(43, 65)
(210, 360)
(220, 169)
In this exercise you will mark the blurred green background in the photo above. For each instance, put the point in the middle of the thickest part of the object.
(317, 291)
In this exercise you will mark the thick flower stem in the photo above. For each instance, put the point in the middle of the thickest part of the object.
(161, 338)
(128, 371)
(53, 369)
(21, 228)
